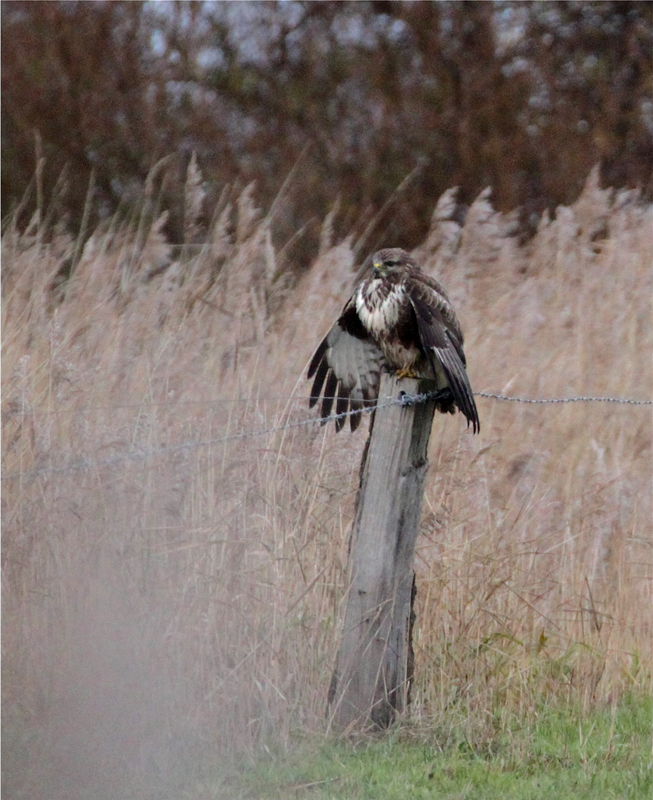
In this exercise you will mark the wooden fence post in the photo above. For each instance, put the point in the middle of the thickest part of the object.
(371, 678)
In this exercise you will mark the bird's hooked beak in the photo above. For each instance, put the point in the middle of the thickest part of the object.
(378, 269)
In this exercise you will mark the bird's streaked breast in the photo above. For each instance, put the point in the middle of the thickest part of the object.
(379, 306)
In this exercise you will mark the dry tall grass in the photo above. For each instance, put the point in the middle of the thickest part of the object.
(170, 596)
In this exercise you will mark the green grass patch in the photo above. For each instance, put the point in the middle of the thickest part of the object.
(558, 754)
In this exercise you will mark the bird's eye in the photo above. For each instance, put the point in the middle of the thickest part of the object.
(391, 263)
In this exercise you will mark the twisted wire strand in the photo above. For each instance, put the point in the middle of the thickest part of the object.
(404, 399)
(547, 400)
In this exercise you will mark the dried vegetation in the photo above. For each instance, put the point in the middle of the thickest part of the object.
(168, 593)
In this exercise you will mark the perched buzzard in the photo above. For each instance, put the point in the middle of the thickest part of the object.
(399, 319)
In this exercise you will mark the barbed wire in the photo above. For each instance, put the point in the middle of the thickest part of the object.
(545, 400)
(136, 455)
(214, 401)
(404, 399)
(256, 399)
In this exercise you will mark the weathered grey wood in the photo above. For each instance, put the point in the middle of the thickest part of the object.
(371, 678)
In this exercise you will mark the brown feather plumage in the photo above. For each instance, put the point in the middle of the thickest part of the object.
(399, 318)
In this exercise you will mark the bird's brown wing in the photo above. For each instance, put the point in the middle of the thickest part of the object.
(442, 341)
(347, 364)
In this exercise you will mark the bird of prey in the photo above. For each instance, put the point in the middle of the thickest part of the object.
(398, 319)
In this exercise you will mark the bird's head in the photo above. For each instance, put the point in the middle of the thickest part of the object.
(392, 259)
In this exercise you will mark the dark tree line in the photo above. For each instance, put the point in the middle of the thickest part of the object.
(525, 97)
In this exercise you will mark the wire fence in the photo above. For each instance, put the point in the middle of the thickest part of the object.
(24, 411)
(403, 400)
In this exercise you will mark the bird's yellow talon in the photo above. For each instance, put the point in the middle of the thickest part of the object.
(406, 372)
